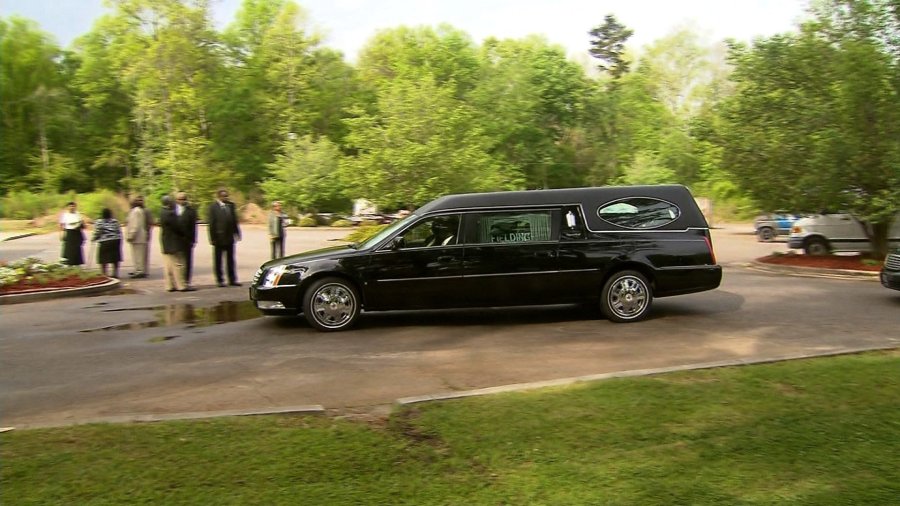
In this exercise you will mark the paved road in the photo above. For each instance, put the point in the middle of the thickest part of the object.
(52, 373)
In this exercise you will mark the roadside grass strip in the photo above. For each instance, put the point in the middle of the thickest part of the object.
(818, 431)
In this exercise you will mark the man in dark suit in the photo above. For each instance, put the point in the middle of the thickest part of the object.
(224, 231)
(171, 241)
(187, 218)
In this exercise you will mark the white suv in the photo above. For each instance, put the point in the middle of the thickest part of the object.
(821, 234)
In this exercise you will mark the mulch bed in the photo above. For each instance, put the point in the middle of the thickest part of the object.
(72, 281)
(846, 262)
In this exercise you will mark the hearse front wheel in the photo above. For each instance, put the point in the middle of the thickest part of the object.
(331, 304)
(626, 297)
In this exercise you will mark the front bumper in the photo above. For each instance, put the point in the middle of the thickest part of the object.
(795, 242)
(277, 300)
(890, 279)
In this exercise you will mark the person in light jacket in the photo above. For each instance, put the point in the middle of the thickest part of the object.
(137, 234)
(277, 222)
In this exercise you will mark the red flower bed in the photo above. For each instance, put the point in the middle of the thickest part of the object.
(73, 281)
(848, 262)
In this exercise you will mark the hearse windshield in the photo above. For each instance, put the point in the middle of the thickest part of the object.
(384, 234)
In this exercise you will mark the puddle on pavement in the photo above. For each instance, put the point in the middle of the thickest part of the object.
(187, 314)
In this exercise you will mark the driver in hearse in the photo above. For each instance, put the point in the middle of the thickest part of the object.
(441, 233)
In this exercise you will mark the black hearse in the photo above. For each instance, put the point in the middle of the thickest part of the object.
(616, 246)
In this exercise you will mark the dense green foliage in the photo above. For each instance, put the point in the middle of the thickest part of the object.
(812, 432)
(819, 112)
(155, 99)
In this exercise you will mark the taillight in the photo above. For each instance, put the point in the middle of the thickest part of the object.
(712, 254)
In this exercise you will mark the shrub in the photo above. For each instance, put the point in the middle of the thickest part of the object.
(307, 221)
(364, 232)
(25, 205)
(91, 204)
(342, 223)
(36, 272)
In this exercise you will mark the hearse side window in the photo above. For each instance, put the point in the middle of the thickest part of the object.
(511, 227)
(639, 213)
(572, 225)
(436, 231)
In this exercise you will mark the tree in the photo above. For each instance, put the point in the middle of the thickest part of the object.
(164, 51)
(279, 85)
(529, 97)
(819, 113)
(108, 137)
(305, 176)
(36, 110)
(444, 54)
(421, 143)
(608, 45)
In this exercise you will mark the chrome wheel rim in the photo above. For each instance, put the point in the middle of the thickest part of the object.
(333, 305)
(628, 297)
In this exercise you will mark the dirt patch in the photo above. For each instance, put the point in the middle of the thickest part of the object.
(29, 286)
(842, 262)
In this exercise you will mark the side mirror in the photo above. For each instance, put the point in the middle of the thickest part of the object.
(398, 243)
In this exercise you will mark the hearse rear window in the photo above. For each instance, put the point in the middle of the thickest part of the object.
(511, 227)
(639, 213)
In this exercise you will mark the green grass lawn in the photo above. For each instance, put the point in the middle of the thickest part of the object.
(25, 227)
(817, 432)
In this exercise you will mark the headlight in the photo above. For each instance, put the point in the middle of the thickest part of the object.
(273, 276)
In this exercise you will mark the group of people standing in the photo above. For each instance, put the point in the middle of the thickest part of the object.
(178, 236)
(107, 234)
(178, 225)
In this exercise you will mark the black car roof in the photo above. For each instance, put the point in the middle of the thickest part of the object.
(589, 198)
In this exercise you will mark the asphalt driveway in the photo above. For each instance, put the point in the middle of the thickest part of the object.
(145, 353)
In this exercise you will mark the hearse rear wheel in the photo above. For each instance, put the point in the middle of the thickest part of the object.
(626, 297)
(331, 304)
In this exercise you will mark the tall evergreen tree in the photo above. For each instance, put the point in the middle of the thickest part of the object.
(608, 45)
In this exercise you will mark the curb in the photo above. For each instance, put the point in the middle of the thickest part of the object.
(521, 387)
(18, 236)
(168, 417)
(811, 272)
(407, 401)
(51, 293)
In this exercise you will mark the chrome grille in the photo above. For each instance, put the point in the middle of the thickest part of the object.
(892, 262)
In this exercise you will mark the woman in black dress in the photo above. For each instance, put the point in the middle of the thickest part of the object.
(108, 234)
(70, 226)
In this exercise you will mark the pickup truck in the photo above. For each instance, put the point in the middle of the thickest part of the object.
(769, 226)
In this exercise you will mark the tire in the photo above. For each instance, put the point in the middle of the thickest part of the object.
(816, 247)
(331, 304)
(765, 234)
(626, 297)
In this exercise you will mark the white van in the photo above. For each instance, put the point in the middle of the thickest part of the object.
(825, 233)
